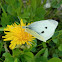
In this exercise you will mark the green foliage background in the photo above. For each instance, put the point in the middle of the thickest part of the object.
(30, 11)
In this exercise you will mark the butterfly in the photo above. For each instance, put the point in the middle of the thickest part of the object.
(42, 30)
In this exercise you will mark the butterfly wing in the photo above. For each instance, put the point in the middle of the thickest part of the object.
(35, 34)
(39, 27)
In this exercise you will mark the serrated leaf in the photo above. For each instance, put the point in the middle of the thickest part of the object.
(4, 20)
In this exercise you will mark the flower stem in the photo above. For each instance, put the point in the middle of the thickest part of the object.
(5, 46)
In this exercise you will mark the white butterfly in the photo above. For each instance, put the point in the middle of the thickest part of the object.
(42, 30)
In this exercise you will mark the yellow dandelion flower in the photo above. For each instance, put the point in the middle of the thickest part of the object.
(17, 35)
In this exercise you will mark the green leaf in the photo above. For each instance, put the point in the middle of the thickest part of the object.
(55, 55)
(46, 53)
(17, 60)
(16, 53)
(55, 60)
(7, 54)
(33, 4)
(4, 20)
(25, 15)
(2, 29)
(16, 4)
(55, 34)
(60, 54)
(1, 46)
(60, 47)
(40, 52)
(44, 44)
(33, 49)
(41, 59)
(3, 10)
(8, 57)
(10, 1)
(35, 43)
(40, 12)
(5, 7)
(10, 10)
(56, 4)
(28, 55)
(38, 3)
(19, 7)
(55, 40)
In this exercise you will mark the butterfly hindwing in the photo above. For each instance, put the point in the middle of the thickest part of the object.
(35, 34)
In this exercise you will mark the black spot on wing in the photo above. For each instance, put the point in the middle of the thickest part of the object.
(42, 32)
